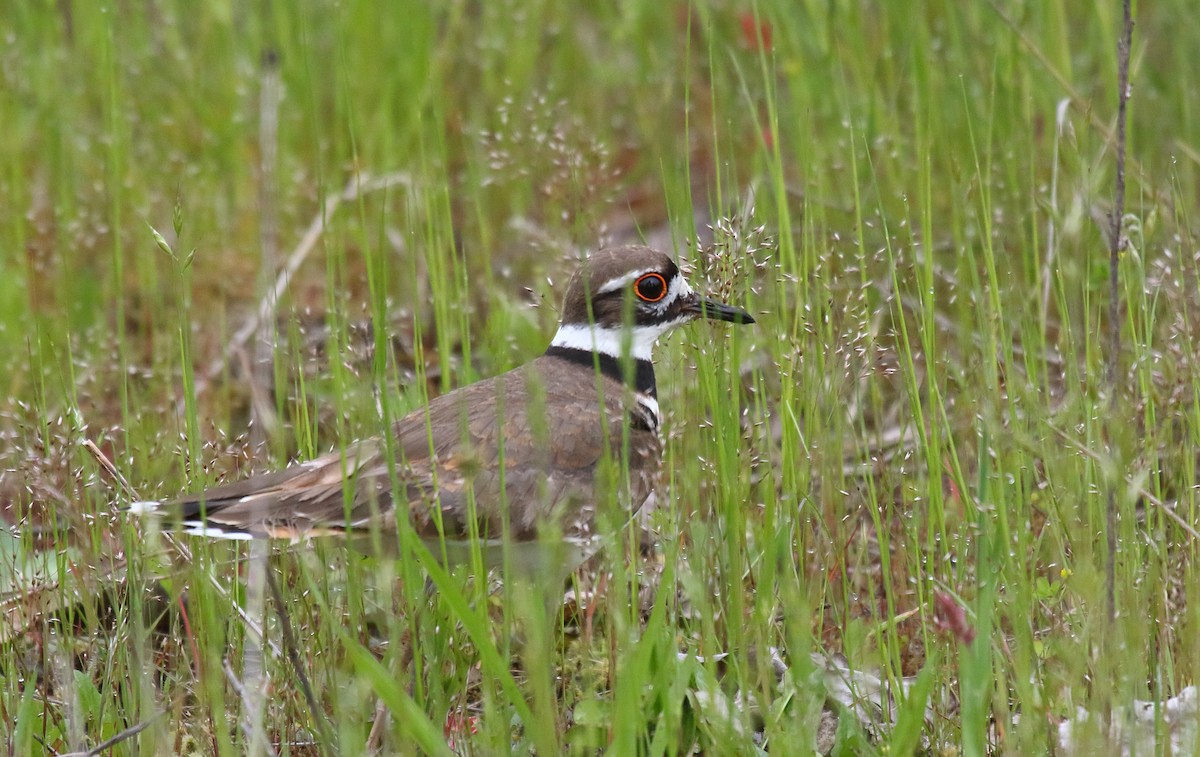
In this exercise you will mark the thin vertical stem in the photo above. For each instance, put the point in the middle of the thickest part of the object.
(1114, 300)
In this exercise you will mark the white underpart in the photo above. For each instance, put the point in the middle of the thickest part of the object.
(144, 507)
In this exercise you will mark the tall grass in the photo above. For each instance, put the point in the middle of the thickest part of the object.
(916, 417)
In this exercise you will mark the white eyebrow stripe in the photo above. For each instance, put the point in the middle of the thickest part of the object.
(628, 278)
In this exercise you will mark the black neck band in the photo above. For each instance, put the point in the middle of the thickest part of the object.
(643, 370)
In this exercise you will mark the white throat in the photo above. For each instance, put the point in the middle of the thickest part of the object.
(637, 342)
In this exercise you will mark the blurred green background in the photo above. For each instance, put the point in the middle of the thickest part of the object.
(911, 198)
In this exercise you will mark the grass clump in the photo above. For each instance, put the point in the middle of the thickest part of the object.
(902, 468)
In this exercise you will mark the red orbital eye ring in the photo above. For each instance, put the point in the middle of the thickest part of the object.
(652, 295)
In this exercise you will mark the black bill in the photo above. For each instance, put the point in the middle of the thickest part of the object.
(717, 311)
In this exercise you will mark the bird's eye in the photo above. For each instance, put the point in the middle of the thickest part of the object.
(651, 288)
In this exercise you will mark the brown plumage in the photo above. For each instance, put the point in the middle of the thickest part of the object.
(553, 422)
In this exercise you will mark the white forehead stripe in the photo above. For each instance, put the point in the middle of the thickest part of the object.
(679, 288)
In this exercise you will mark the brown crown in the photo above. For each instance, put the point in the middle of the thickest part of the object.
(604, 266)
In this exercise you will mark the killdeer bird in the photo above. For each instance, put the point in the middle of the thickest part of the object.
(513, 459)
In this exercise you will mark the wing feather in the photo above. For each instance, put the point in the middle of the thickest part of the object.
(448, 468)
